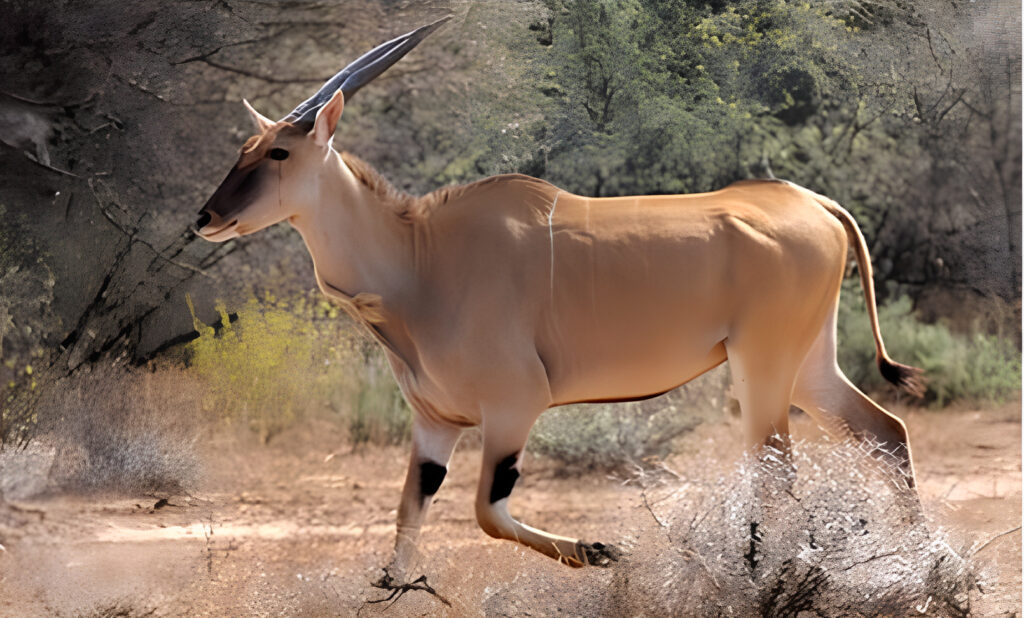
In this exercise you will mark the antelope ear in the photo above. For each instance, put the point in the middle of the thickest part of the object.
(327, 119)
(262, 122)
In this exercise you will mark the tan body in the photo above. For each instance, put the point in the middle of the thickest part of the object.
(503, 298)
(645, 291)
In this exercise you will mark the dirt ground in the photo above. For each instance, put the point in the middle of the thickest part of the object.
(290, 529)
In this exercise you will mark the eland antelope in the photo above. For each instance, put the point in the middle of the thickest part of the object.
(499, 299)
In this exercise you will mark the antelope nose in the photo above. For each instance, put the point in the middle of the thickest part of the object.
(204, 220)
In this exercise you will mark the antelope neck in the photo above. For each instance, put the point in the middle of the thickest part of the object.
(358, 245)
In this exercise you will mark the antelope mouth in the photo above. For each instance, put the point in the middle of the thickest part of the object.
(225, 232)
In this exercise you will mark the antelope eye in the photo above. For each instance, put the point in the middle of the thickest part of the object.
(278, 154)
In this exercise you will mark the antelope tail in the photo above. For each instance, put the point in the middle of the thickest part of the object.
(908, 378)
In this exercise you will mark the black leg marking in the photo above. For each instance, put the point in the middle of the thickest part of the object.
(753, 556)
(431, 476)
(505, 477)
(598, 554)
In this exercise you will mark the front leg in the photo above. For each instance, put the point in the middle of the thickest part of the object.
(432, 446)
(505, 437)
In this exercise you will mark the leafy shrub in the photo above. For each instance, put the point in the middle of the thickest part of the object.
(614, 436)
(278, 360)
(976, 367)
(379, 413)
(258, 368)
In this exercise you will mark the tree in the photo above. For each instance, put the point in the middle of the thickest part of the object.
(908, 116)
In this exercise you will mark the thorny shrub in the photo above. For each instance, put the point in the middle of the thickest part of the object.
(841, 538)
(111, 429)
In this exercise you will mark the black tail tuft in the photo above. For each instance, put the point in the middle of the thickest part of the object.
(909, 379)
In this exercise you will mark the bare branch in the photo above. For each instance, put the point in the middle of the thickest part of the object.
(266, 78)
(998, 536)
(215, 50)
(133, 236)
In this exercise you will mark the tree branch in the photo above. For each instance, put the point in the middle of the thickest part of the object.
(265, 78)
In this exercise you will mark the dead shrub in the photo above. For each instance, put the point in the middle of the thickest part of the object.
(839, 539)
(843, 538)
(118, 429)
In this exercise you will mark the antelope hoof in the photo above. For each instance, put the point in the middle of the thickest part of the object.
(598, 554)
(386, 581)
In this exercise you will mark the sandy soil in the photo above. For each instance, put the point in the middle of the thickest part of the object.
(284, 529)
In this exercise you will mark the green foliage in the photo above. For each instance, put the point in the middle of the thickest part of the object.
(619, 436)
(379, 413)
(974, 367)
(259, 368)
(858, 102)
(643, 97)
(276, 361)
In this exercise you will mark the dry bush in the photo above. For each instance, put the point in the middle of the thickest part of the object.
(111, 429)
(841, 539)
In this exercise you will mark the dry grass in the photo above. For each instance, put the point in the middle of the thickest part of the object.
(112, 429)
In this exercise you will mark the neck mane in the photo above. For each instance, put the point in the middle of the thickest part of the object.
(411, 208)
(401, 202)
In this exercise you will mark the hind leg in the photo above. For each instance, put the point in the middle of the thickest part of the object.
(763, 384)
(763, 378)
(824, 392)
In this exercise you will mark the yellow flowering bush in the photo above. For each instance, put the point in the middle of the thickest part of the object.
(272, 362)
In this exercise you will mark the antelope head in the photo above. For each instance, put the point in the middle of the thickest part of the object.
(277, 168)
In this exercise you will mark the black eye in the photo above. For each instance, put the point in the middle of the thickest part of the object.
(278, 154)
